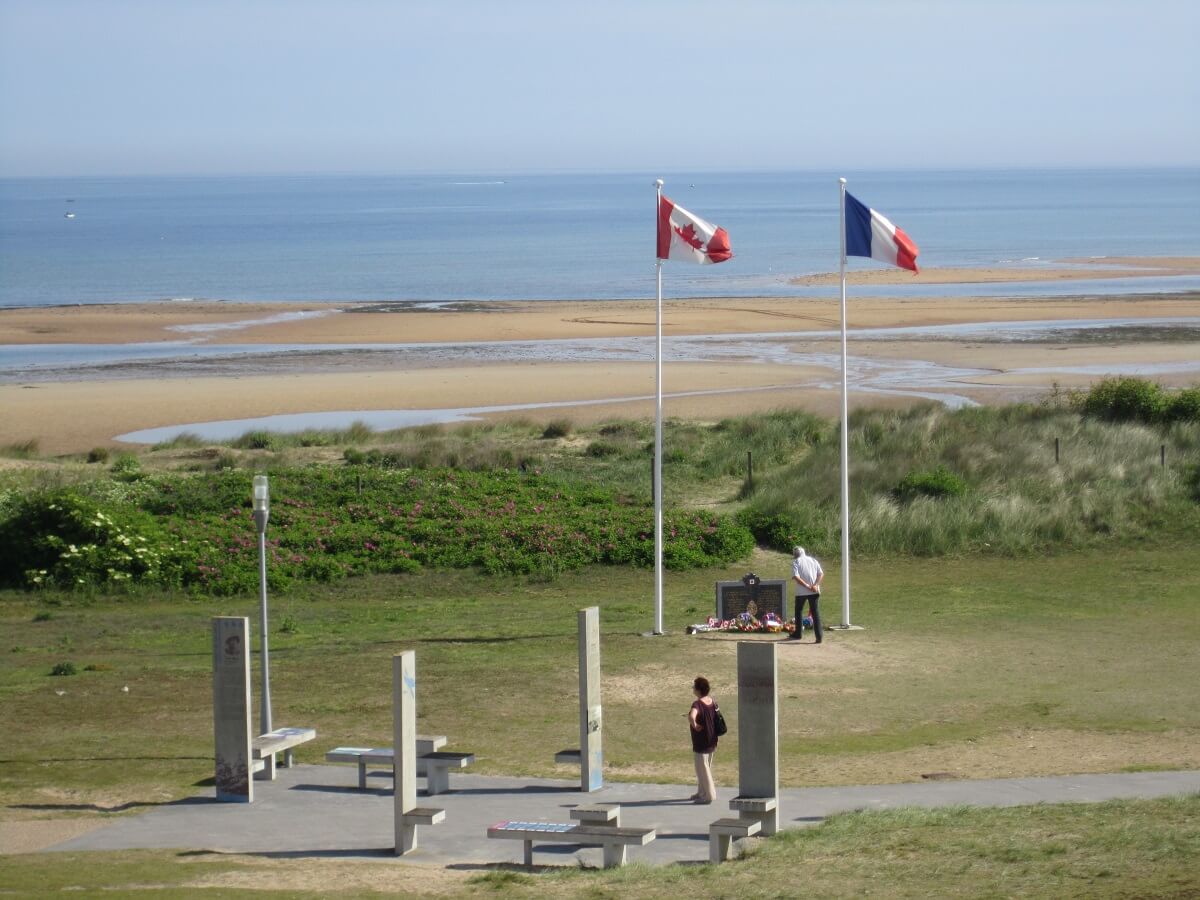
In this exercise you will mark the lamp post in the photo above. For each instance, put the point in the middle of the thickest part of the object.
(262, 511)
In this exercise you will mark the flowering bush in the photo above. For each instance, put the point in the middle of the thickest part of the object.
(326, 524)
(67, 540)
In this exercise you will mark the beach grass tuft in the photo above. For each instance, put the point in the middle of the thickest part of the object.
(21, 449)
(185, 440)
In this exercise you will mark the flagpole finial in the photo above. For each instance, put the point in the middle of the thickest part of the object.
(841, 181)
(658, 182)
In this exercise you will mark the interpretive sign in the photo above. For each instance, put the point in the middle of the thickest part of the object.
(231, 708)
(752, 595)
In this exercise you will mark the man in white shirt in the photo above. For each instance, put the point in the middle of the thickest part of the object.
(808, 575)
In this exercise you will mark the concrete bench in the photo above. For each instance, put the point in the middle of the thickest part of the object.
(757, 809)
(281, 740)
(383, 757)
(613, 839)
(597, 813)
(438, 766)
(723, 832)
(423, 815)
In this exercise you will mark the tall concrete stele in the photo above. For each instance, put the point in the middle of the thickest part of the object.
(404, 725)
(758, 726)
(231, 708)
(591, 744)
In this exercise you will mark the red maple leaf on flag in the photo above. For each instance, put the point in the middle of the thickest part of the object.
(688, 235)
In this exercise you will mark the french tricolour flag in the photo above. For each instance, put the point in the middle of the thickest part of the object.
(869, 233)
(682, 235)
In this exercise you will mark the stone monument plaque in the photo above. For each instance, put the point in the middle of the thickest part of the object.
(754, 595)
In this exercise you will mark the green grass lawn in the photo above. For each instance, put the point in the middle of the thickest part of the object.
(1148, 848)
(979, 667)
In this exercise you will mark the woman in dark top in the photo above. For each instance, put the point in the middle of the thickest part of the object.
(703, 722)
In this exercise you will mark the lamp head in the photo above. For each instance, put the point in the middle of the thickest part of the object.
(262, 494)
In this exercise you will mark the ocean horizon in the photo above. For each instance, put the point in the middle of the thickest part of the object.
(455, 237)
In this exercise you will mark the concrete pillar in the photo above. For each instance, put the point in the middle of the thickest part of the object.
(231, 708)
(591, 746)
(758, 727)
(404, 764)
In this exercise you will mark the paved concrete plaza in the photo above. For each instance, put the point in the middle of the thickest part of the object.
(319, 811)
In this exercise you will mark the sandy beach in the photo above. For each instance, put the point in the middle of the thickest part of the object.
(71, 412)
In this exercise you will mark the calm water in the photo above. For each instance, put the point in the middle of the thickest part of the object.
(548, 237)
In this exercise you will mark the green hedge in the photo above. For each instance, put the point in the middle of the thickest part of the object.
(197, 531)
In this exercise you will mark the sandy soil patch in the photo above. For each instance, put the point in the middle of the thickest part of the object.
(317, 875)
(31, 835)
(1018, 754)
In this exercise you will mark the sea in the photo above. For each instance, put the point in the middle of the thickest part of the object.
(483, 237)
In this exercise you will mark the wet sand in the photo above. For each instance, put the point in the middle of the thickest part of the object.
(262, 323)
(83, 411)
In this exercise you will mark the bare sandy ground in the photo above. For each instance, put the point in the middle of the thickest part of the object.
(1063, 270)
(74, 416)
(263, 323)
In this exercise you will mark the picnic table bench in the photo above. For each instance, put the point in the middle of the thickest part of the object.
(281, 740)
(614, 839)
(597, 813)
(432, 763)
(758, 809)
(438, 766)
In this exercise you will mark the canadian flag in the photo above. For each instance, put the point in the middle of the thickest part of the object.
(682, 235)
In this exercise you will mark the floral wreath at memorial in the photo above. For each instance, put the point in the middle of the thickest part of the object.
(747, 622)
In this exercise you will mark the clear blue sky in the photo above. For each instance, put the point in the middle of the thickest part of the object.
(263, 86)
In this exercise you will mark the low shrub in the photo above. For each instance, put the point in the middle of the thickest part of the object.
(1125, 400)
(126, 467)
(98, 455)
(782, 530)
(63, 669)
(1183, 406)
(64, 539)
(600, 449)
(557, 428)
(255, 440)
(939, 482)
(21, 450)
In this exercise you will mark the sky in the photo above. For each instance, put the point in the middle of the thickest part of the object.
(149, 87)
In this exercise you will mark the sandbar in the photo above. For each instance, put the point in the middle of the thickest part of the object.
(73, 412)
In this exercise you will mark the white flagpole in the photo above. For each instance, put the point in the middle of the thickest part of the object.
(845, 428)
(658, 515)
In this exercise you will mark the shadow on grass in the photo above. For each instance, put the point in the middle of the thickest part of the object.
(509, 639)
(122, 807)
(381, 852)
(70, 759)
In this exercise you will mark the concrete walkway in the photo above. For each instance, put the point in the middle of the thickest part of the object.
(315, 811)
